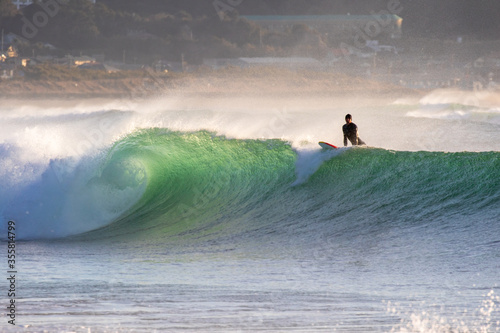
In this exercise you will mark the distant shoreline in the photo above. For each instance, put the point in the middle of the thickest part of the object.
(258, 82)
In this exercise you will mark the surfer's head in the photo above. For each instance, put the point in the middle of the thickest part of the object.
(348, 118)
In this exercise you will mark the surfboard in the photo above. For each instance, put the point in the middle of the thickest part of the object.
(327, 145)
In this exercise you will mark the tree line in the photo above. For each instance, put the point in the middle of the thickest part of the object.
(149, 30)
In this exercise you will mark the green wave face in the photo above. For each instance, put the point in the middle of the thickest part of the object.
(195, 180)
(412, 186)
(202, 186)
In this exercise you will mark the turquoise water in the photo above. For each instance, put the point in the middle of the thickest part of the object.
(135, 221)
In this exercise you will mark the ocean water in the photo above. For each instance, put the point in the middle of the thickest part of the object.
(178, 214)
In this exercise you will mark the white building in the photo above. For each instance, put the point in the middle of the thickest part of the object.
(23, 3)
(390, 25)
(281, 62)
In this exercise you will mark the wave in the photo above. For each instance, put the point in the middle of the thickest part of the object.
(158, 184)
(487, 98)
(478, 106)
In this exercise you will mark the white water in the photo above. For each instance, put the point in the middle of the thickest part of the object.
(49, 150)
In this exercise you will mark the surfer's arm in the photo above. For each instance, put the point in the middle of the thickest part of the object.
(345, 140)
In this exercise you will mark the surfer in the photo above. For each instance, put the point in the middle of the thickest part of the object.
(351, 132)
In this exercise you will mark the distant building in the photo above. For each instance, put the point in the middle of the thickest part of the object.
(7, 74)
(282, 62)
(488, 67)
(81, 60)
(287, 62)
(12, 39)
(374, 25)
(23, 3)
(168, 66)
(217, 63)
(95, 66)
(12, 52)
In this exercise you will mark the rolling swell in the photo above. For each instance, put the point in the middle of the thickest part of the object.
(203, 187)
(377, 186)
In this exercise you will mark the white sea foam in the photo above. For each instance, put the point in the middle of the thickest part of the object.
(431, 321)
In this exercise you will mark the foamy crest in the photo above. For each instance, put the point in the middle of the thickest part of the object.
(476, 98)
(71, 197)
(481, 320)
(309, 160)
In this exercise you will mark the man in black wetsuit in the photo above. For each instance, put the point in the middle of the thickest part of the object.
(351, 132)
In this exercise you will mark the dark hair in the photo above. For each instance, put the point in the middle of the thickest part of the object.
(348, 116)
